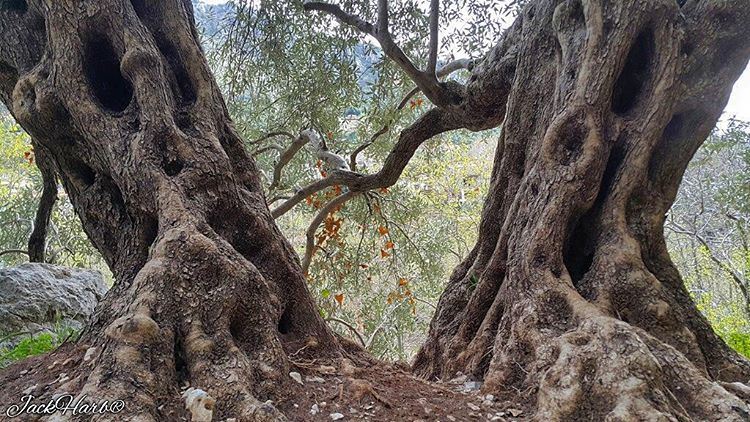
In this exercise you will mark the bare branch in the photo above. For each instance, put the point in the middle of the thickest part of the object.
(285, 158)
(434, 23)
(271, 135)
(276, 147)
(324, 212)
(444, 71)
(350, 327)
(344, 17)
(10, 251)
(453, 66)
(383, 18)
(426, 81)
(373, 138)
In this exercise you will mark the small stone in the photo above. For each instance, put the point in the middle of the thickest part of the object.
(347, 367)
(336, 416)
(458, 380)
(296, 405)
(315, 379)
(328, 370)
(24, 372)
(472, 385)
(323, 404)
(451, 418)
(28, 390)
(297, 377)
(473, 406)
(314, 409)
(489, 397)
(89, 354)
(515, 412)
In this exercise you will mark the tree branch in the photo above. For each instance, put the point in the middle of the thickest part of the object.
(324, 212)
(434, 23)
(284, 159)
(444, 71)
(373, 138)
(38, 238)
(426, 81)
(10, 251)
(344, 17)
(383, 18)
(432, 123)
(350, 327)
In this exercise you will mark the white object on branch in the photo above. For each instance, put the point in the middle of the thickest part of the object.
(330, 160)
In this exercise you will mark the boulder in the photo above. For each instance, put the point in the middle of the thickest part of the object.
(43, 297)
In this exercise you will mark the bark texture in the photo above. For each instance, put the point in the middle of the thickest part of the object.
(118, 95)
(569, 300)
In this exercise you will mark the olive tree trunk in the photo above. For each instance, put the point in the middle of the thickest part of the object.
(569, 301)
(118, 96)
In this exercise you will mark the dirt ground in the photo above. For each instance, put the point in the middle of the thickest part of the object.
(387, 392)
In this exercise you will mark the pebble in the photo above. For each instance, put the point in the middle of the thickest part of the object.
(336, 416)
(472, 385)
(314, 409)
(515, 412)
(473, 407)
(297, 377)
(315, 379)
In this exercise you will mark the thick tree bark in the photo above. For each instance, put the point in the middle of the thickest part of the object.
(208, 292)
(569, 300)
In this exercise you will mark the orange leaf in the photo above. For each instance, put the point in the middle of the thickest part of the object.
(384, 190)
(323, 173)
(364, 265)
(383, 230)
(389, 245)
(329, 135)
(384, 254)
(339, 298)
(403, 282)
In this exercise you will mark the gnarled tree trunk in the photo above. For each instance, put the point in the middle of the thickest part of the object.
(117, 94)
(569, 300)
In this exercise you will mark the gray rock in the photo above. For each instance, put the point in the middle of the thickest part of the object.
(41, 297)
(472, 385)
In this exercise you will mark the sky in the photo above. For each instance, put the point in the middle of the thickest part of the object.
(738, 106)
